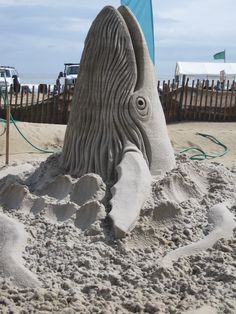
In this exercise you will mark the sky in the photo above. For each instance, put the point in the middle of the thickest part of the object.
(38, 36)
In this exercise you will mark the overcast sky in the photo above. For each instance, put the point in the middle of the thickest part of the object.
(38, 36)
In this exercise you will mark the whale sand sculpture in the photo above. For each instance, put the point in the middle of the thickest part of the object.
(116, 118)
(117, 130)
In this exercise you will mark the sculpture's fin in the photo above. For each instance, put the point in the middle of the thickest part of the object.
(224, 224)
(13, 239)
(131, 190)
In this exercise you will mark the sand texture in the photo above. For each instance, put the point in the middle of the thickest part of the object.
(58, 250)
(182, 135)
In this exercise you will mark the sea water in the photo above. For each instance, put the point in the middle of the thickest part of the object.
(38, 78)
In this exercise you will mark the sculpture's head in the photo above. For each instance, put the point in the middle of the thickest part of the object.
(115, 103)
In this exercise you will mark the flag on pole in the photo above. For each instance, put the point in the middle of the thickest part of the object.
(142, 10)
(219, 55)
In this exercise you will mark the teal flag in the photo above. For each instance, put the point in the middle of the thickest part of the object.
(219, 55)
(142, 9)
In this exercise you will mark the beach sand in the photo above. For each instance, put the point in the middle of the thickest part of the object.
(182, 135)
(58, 253)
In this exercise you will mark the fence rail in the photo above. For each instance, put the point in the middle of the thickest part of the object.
(189, 101)
(198, 101)
(41, 105)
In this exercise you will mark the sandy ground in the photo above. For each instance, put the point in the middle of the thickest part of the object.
(58, 253)
(183, 135)
(44, 136)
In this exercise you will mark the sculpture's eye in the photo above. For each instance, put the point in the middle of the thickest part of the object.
(142, 107)
(141, 103)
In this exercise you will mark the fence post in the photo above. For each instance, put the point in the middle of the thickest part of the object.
(231, 114)
(8, 115)
(181, 98)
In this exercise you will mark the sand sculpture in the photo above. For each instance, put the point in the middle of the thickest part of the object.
(117, 128)
(57, 250)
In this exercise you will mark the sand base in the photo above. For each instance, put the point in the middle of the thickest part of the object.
(178, 259)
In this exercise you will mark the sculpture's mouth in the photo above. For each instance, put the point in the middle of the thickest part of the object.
(136, 39)
(122, 23)
(137, 45)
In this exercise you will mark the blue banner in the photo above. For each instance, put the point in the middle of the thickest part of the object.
(142, 9)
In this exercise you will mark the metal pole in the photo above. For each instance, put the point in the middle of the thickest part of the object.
(181, 98)
(8, 114)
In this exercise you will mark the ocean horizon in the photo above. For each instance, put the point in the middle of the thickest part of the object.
(50, 78)
(38, 78)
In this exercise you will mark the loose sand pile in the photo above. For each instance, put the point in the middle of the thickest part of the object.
(180, 258)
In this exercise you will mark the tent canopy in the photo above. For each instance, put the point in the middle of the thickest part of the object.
(205, 69)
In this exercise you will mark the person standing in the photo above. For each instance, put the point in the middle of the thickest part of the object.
(16, 84)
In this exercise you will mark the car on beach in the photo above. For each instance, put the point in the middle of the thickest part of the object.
(69, 75)
(71, 71)
(8, 75)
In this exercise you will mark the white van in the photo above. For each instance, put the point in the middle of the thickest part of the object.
(69, 75)
(7, 75)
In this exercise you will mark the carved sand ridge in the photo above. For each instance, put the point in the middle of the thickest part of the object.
(12, 242)
(224, 224)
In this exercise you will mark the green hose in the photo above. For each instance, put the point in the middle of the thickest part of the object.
(203, 155)
(4, 121)
(25, 138)
(6, 103)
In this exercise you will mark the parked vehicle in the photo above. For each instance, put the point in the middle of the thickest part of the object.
(9, 76)
(69, 75)
(71, 71)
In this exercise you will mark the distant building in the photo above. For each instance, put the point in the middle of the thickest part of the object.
(205, 71)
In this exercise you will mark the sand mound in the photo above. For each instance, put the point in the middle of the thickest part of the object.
(89, 213)
(13, 240)
(59, 188)
(165, 210)
(178, 258)
(60, 212)
(88, 187)
(13, 195)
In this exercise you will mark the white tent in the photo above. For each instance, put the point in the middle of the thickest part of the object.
(205, 71)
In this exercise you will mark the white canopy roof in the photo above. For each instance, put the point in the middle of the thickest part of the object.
(205, 68)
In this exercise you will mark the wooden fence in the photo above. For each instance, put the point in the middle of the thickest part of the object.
(41, 104)
(198, 101)
(195, 101)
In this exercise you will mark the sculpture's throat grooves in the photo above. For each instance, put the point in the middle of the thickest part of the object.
(102, 119)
